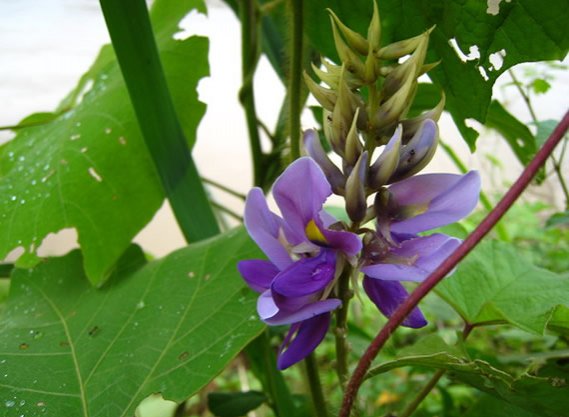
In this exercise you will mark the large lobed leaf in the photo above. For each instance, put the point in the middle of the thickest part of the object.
(524, 30)
(544, 394)
(67, 349)
(89, 168)
(496, 283)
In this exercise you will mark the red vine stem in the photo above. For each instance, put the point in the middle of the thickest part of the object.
(469, 243)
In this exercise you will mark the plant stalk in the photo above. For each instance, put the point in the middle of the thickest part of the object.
(556, 163)
(445, 267)
(341, 330)
(313, 380)
(249, 58)
(295, 76)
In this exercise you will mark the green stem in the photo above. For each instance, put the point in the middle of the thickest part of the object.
(295, 75)
(341, 331)
(410, 409)
(315, 387)
(227, 211)
(556, 163)
(500, 229)
(129, 26)
(224, 188)
(250, 58)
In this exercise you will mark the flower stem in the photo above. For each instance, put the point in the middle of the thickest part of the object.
(224, 188)
(250, 58)
(341, 331)
(313, 379)
(444, 268)
(410, 409)
(295, 74)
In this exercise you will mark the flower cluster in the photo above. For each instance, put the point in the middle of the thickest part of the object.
(309, 252)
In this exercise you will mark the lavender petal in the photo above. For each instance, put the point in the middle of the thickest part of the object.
(438, 199)
(264, 227)
(415, 259)
(300, 193)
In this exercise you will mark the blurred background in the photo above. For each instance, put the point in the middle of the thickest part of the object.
(46, 45)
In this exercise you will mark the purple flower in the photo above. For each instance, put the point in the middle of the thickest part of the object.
(305, 257)
(396, 253)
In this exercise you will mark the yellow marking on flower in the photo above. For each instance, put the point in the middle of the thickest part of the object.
(314, 234)
(412, 210)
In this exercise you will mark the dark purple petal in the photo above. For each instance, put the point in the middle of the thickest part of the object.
(438, 199)
(388, 295)
(264, 227)
(258, 274)
(304, 313)
(306, 276)
(300, 193)
(302, 340)
(415, 259)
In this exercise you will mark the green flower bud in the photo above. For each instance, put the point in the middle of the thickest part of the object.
(326, 97)
(374, 31)
(392, 110)
(332, 76)
(354, 147)
(418, 152)
(399, 49)
(350, 60)
(356, 205)
(383, 168)
(356, 41)
(411, 126)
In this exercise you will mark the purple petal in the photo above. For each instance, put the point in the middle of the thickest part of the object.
(305, 313)
(300, 193)
(440, 198)
(306, 276)
(258, 274)
(305, 338)
(347, 242)
(424, 255)
(388, 295)
(315, 150)
(264, 227)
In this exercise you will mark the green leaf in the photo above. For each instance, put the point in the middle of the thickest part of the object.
(89, 168)
(560, 219)
(225, 404)
(540, 86)
(524, 29)
(491, 406)
(495, 284)
(516, 134)
(134, 44)
(543, 395)
(544, 129)
(68, 349)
